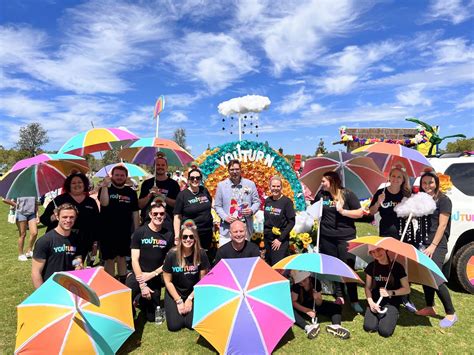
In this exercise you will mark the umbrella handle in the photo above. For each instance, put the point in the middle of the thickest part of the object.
(382, 310)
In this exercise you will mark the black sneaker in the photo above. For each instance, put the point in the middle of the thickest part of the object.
(338, 331)
(312, 330)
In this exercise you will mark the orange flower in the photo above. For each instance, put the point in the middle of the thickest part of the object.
(445, 183)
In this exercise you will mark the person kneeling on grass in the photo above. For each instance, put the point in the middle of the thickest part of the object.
(383, 318)
(308, 302)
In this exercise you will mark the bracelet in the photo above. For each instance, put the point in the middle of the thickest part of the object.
(143, 285)
(179, 301)
(435, 244)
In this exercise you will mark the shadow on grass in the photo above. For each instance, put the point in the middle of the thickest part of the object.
(289, 336)
(135, 340)
(201, 341)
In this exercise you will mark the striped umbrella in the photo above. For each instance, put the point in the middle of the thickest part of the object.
(133, 170)
(98, 139)
(387, 156)
(359, 174)
(39, 175)
(144, 150)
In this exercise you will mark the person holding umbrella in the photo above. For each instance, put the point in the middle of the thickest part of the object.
(387, 279)
(308, 303)
(279, 217)
(340, 207)
(184, 266)
(432, 240)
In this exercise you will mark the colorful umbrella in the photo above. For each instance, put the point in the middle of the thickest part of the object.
(243, 306)
(133, 170)
(49, 321)
(98, 139)
(325, 267)
(39, 175)
(143, 151)
(359, 174)
(418, 266)
(387, 156)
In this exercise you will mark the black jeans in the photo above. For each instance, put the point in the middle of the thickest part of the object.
(274, 256)
(174, 320)
(328, 309)
(147, 306)
(384, 324)
(442, 291)
(338, 248)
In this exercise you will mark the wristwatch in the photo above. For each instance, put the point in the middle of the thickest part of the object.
(393, 293)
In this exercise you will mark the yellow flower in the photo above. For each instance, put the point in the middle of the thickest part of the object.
(445, 183)
(276, 231)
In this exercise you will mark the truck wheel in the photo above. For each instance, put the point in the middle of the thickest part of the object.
(464, 267)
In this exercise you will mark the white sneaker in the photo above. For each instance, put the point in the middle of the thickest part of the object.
(29, 254)
(312, 330)
(22, 258)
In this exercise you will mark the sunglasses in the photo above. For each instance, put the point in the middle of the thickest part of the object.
(187, 236)
(154, 214)
(195, 178)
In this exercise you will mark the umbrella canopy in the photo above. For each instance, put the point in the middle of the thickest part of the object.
(359, 174)
(39, 175)
(325, 267)
(418, 266)
(143, 151)
(98, 139)
(133, 170)
(50, 322)
(387, 156)
(243, 306)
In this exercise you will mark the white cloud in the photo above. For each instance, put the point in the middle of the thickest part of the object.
(23, 107)
(181, 100)
(467, 102)
(177, 117)
(454, 11)
(218, 60)
(413, 96)
(339, 84)
(294, 101)
(453, 50)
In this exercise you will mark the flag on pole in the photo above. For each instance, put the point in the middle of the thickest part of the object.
(159, 106)
(316, 210)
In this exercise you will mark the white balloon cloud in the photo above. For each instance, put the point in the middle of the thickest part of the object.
(244, 104)
(420, 204)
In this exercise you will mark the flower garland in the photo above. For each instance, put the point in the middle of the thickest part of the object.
(419, 138)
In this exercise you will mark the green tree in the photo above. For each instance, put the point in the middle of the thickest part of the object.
(31, 138)
(179, 137)
(460, 145)
(110, 157)
(321, 148)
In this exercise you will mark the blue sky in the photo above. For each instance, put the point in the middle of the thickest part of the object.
(322, 63)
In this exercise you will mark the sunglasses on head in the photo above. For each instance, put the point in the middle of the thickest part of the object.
(187, 236)
(154, 214)
(195, 178)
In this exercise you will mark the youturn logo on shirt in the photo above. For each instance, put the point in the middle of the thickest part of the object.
(272, 210)
(156, 243)
(67, 249)
(120, 198)
(200, 199)
(187, 269)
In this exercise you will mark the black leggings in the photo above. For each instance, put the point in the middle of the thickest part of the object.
(328, 309)
(148, 306)
(174, 320)
(442, 291)
(384, 324)
(338, 248)
(274, 256)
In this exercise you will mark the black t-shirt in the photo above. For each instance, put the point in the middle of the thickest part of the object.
(184, 278)
(307, 295)
(379, 273)
(281, 214)
(169, 188)
(227, 251)
(389, 223)
(58, 251)
(196, 207)
(153, 246)
(333, 224)
(86, 222)
(117, 217)
(443, 205)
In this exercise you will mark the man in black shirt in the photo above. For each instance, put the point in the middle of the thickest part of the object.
(239, 246)
(150, 243)
(57, 249)
(161, 186)
(119, 218)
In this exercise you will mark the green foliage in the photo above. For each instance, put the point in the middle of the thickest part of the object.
(31, 138)
(321, 148)
(179, 136)
(460, 145)
(8, 157)
(110, 157)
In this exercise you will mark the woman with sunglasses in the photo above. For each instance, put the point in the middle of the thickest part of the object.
(195, 203)
(149, 246)
(432, 238)
(184, 266)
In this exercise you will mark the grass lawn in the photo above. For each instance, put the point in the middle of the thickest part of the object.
(413, 334)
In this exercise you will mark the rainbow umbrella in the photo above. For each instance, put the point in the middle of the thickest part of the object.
(325, 267)
(39, 175)
(387, 156)
(52, 320)
(418, 266)
(243, 306)
(359, 174)
(98, 139)
(143, 151)
(133, 170)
